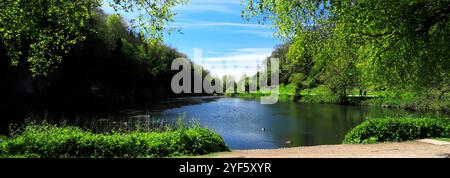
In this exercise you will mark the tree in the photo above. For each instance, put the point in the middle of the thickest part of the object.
(39, 33)
(403, 44)
(397, 45)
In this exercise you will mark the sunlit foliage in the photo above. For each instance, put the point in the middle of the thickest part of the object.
(41, 32)
(393, 45)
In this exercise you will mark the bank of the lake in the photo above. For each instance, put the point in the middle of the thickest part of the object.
(416, 103)
(407, 132)
(428, 101)
(51, 141)
(392, 137)
(410, 149)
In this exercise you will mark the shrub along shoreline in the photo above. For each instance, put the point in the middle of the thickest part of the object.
(397, 130)
(411, 101)
(384, 102)
(49, 141)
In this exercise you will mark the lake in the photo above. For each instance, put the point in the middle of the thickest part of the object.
(247, 124)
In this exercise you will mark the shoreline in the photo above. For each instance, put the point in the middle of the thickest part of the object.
(353, 101)
(424, 148)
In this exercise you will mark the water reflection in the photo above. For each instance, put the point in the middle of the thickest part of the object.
(240, 121)
(246, 124)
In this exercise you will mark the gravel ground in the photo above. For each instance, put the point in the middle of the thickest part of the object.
(413, 149)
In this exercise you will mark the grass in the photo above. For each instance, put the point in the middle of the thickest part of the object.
(210, 155)
(286, 93)
(410, 101)
(398, 129)
(443, 139)
(424, 101)
(3, 138)
(369, 92)
(50, 141)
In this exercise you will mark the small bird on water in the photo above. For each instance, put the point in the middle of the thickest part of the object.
(263, 129)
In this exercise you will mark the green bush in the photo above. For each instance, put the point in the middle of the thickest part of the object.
(2, 148)
(320, 94)
(394, 130)
(429, 100)
(320, 98)
(51, 141)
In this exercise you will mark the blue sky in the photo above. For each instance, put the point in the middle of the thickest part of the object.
(230, 44)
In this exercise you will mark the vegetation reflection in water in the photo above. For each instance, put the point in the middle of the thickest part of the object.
(246, 124)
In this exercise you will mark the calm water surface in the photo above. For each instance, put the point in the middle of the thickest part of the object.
(247, 124)
(240, 122)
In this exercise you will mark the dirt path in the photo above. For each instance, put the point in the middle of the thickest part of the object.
(414, 149)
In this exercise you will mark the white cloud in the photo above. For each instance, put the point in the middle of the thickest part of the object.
(219, 6)
(198, 23)
(267, 34)
(227, 27)
(237, 62)
(254, 50)
(220, 24)
(232, 2)
(221, 27)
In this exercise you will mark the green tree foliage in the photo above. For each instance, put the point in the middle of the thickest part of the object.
(384, 44)
(113, 68)
(152, 16)
(41, 32)
(286, 67)
(122, 67)
(403, 44)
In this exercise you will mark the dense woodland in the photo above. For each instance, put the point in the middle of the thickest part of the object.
(71, 57)
(397, 49)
